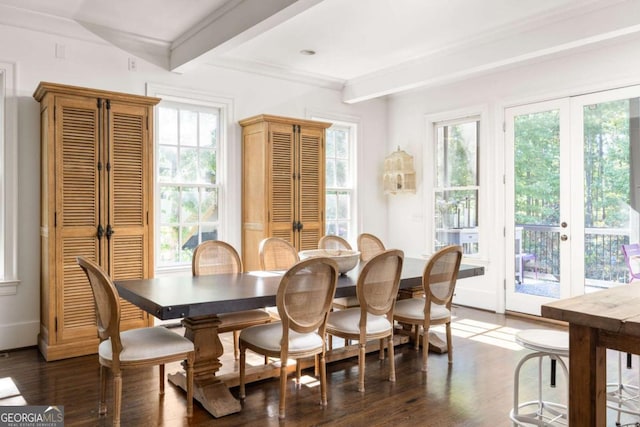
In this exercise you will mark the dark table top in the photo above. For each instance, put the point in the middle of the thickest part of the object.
(174, 297)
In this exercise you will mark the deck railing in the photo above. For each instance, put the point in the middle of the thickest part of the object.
(604, 262)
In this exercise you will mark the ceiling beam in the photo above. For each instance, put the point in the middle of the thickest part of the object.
(230, 26)
(549, 39)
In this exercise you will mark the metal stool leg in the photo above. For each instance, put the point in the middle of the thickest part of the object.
(539, 412)
(622, 397)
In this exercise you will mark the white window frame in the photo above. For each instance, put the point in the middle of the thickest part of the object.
(429, 172)
(197, 99)
(8, 181)
(353, 125)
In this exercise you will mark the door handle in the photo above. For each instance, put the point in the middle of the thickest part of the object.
(564, 238)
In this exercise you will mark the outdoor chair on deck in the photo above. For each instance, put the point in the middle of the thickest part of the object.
(377, 288)
(632, 258)
(217, 257)
(439, 281)
(134, 348)
(303, 301)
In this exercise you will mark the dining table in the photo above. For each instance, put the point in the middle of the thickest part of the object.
(198, 300)
(600, 320)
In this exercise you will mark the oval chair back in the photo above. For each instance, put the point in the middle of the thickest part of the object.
(215, 257)
(333, 242)
(368, 246)
(277, 254)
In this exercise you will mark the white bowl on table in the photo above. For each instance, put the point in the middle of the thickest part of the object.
(345, 258)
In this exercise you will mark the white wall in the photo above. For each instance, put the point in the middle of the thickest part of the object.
(89, 62)
(605, 67)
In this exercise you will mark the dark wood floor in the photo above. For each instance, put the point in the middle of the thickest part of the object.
(476, 390)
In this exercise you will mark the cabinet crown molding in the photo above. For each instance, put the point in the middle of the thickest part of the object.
(45, 88)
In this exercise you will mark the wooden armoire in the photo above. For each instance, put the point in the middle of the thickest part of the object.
(96, 202)
(283, 190)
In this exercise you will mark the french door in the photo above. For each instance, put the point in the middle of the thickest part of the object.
(570, 202)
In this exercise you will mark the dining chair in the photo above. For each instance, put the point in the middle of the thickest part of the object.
(277, 254)
(330, 241)
(368, 246)
(133, 348)
(218, 257)
(303, 300)
(439, 281)
(376, 288)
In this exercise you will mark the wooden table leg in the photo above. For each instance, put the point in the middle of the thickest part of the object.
(436, 344)
(211, 392)
(587, 377)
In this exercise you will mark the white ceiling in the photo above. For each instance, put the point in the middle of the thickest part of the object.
(366, 48)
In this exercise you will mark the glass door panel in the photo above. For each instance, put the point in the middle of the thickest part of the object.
(606, 126)
(538, 186)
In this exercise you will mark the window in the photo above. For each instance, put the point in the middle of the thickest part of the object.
(188, 141)
(340, 180)
(8, 181)
(457, 184)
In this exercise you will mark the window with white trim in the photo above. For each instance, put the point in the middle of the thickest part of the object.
(457, 184)
(8, 181)
(3, 162)
(188, 141)
(340, 180)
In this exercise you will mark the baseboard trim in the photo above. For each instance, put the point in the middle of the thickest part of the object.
(19, 335)
(535, 318)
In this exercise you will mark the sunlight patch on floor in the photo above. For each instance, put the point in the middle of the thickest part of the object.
(309, 381)
(9, 393)
(486, 333)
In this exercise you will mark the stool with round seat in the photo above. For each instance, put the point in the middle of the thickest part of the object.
(545, 344)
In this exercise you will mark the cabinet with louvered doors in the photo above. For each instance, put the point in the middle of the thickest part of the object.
(283, 187)
(96, 201)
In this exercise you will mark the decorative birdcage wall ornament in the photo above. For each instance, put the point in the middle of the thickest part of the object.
(399, 173)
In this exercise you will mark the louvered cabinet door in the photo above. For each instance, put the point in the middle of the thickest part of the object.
(77, 184)
(310, 187)
(282, 194)
(128, 201)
